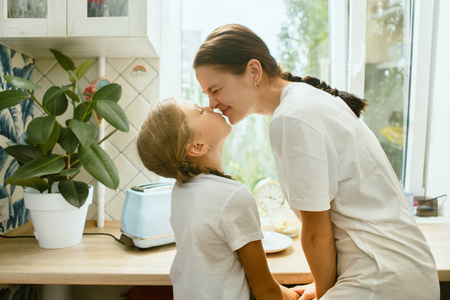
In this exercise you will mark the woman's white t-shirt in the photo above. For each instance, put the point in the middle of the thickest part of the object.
(328, 159)
(211, 218)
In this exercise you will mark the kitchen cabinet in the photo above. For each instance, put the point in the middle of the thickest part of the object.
(42, 19)
(82, 28)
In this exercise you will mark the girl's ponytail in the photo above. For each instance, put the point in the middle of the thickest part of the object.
(162, 143)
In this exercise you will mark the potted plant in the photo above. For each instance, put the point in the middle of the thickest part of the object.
(57, 148)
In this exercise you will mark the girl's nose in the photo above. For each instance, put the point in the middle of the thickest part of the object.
(208, 109)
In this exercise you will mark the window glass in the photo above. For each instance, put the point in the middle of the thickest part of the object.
(297, 36)
(387, 76)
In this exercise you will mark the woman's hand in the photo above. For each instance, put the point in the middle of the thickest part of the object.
(289, 294)
(307, 291)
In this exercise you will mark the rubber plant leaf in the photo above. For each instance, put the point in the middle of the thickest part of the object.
(21, 83)
(113, 114)
(64, 61)
(72, 96)
(74, 80)
(43, 165)
(33, 182)
(97, 163)
(23, 153)
(75, 192)
(84, 131)
(51, 141)
(70, 172)
(112, 91)
(39, 129)
(79, 113)
(11, 98)
(83, 68)
(55, 100)
(68, 140)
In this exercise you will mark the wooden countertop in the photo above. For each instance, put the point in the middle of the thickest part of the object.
(100, 260)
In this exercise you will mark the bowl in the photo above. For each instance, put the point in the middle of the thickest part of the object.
(284, 221)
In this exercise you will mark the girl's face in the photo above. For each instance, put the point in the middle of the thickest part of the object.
(208, 126)
(233, 94)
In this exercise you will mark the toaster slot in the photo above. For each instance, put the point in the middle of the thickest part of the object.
(147, 186)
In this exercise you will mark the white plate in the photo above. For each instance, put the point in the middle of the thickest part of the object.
(275, 242)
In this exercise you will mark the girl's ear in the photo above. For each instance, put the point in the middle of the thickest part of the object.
(196, 149)
(255, 69)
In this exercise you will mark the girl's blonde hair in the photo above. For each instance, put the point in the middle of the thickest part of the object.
(162, 143)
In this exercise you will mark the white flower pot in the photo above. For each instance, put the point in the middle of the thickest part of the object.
(57, 224)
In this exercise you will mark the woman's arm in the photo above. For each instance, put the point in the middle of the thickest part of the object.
(261, 281)
(319, 248)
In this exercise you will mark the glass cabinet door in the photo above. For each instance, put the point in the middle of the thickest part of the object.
(32, 18)
(103, 18)
(107, 8)
(27, 9)
(384, 74)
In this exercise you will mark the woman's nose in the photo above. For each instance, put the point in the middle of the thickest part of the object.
(213, 103)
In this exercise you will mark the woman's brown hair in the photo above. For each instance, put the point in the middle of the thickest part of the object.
(230, 47)
(162, 143)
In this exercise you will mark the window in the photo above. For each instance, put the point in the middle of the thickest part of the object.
(387, 76)
(297, 36)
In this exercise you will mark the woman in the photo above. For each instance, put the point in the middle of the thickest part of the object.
(358, 233)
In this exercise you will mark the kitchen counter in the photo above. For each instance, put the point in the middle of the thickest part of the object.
(101, 260)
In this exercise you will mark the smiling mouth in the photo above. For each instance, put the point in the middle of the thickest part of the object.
(225, 111)
(218, 111)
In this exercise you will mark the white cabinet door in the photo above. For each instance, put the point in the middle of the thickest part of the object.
(113, 18)
(27, 18)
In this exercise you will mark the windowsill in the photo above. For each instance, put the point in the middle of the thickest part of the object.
(440, 219)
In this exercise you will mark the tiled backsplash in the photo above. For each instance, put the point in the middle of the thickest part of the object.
(139, 79)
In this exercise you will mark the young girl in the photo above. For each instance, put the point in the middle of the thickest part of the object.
(358, 233)
(214, 218)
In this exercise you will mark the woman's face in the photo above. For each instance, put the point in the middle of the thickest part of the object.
(233, 94)
(207, 125)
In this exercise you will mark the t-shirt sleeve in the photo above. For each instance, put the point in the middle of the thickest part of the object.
(308, 164)
(240, 223)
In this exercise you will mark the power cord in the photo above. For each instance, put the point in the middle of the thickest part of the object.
(32, 236)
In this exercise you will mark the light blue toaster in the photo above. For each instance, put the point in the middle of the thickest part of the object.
(146, 215)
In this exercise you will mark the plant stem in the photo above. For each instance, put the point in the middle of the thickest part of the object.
(68, 164)
(75, 162)
(38, 103)
(106, 137)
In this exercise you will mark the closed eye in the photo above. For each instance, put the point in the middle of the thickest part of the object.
(201, 110)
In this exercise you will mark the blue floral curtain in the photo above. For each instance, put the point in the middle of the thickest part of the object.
(12, 130)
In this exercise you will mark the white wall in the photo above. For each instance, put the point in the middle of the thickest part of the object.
(437, 169)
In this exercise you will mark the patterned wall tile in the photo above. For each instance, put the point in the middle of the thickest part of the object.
(151, 92)
(139, 74)
(120, 140)
(120, 64)
(137, 111)
(114, 208)
(128, 92)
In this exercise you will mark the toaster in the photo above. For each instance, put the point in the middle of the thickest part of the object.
(145, 219)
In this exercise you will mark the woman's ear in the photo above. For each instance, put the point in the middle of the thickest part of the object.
(255, 69)
(196, 149)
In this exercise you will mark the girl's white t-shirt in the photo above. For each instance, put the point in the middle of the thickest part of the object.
(211, 218)
(328, 159)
